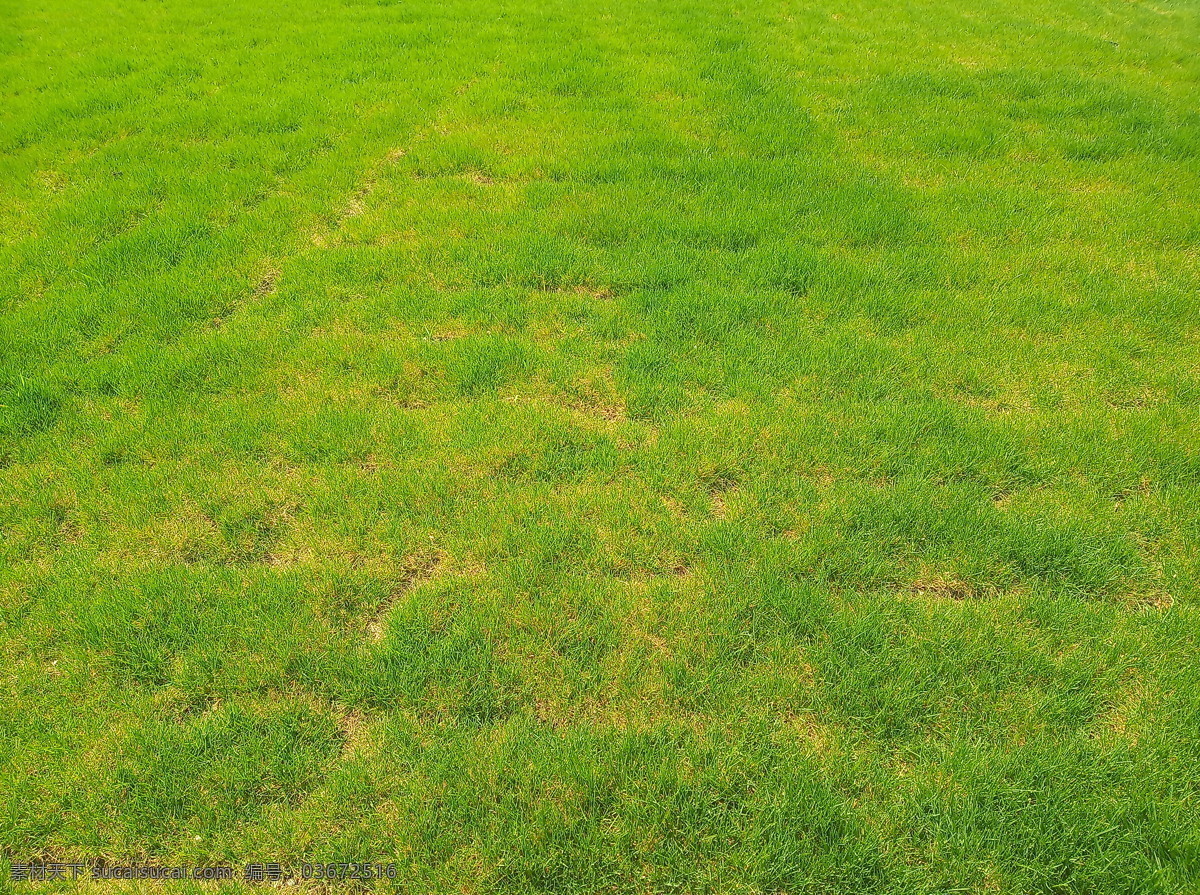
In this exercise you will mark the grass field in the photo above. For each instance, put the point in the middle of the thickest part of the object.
(701, 446)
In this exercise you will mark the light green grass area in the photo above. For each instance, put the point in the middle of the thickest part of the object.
(597, 446)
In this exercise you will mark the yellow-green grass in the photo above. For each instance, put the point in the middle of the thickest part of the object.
(603, 446)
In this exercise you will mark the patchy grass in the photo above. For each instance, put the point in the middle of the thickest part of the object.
(604, 446)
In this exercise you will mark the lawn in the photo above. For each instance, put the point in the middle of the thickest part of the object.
(598, 446)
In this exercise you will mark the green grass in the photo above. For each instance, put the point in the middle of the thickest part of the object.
(604, 446)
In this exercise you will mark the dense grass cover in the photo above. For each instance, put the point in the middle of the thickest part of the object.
(692, 446)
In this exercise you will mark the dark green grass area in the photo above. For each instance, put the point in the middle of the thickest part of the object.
(603, 446)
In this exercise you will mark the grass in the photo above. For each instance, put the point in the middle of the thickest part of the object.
(604, 446)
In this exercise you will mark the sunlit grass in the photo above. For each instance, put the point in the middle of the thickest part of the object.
(604, 446)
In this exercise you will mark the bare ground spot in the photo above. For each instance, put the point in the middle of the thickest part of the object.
(608, 412)
(720, 509)
(598, 408)
(1118, 723)
(720, 488)
(355, 203)
(941, 588)
(450, 333)
(640, 577)
(817, 735)
(674, 508)
(354, 727)
(597, 292)
(1151, 600)
(1143, 489)
(417, 568)
(267, 282)
(265, 285)
(596, 396)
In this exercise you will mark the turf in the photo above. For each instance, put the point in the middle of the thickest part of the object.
(603, 446)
